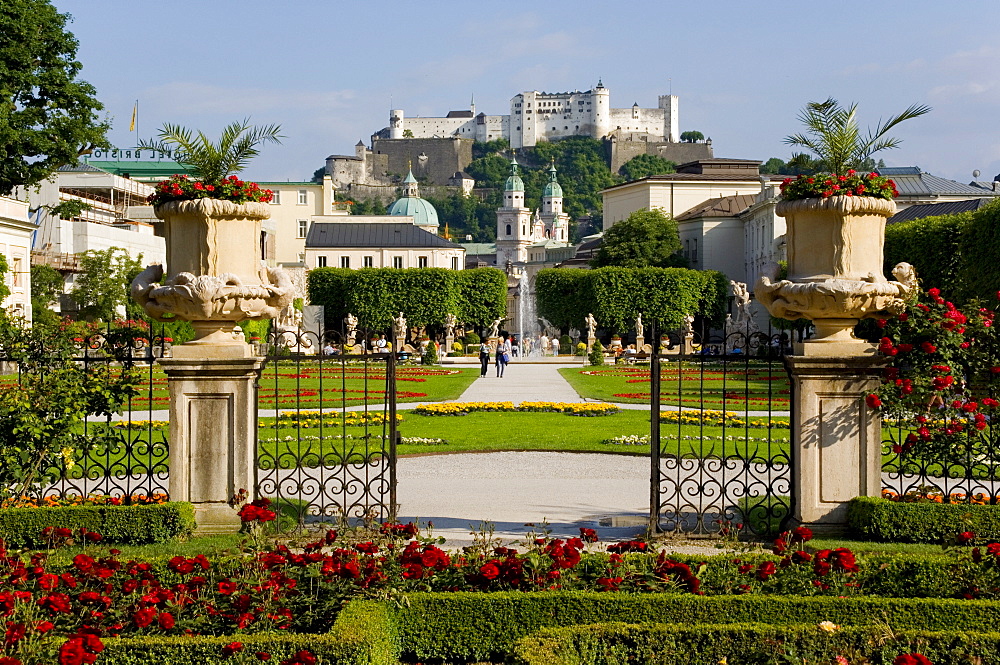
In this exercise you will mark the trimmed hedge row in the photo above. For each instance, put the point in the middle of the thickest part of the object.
(559, 627)
(881, 519)
(745, 644)
(476, 626)
(125, 525)
(362, 635)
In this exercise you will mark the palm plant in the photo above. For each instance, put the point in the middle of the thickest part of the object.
(211, 162)
(833, 135)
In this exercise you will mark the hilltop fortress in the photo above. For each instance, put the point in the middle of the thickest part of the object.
(438, 149)
(544, 116)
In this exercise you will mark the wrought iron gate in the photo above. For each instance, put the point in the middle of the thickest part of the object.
(327, 444)
(733, 472)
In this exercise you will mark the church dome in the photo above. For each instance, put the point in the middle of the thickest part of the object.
(552, 187)
(423, 213)
(514, 182)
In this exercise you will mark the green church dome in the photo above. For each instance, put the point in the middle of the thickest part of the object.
(514, 182)
(423, 213)
(552, 188)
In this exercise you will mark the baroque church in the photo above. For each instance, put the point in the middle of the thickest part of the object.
(523, 235)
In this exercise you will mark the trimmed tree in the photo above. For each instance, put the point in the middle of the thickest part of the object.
(646, 238)
(50, 118)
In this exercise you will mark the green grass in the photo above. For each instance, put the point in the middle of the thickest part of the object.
(872, 547)
(207, 545)
(489, 432)
(755, 386)
(308, 386)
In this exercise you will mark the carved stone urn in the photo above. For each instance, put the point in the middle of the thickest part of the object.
(215, 277)
(835, 275)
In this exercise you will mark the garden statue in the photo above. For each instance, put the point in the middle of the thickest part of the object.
(639, 328)
(687, 328)
(591, 324)
(352, 328)
(399, 326)
(495, 329)
(449, 324)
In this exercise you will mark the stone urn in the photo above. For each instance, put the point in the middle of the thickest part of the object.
(835, 275)
(215, 277)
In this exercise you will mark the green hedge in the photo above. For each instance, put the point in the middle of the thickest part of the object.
(125, 525)
(745, 644)
(882, 519)
(932, 246)
(616, 295)
(362, 635)
(424, 295)
(476, 626)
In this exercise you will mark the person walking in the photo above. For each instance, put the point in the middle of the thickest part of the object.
(484, 358)
(503, 354)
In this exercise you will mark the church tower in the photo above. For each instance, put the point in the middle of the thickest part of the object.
(513, 221)
(555, 220)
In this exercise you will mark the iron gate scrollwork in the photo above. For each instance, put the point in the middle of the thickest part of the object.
(328, 434)
(720, 460)
(120, 453)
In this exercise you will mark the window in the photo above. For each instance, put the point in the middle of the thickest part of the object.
(368, 262)
(508, 229)
(345, 262)
(303, 227)
(454, 263)
(397, 262)
(320, 261)
(694, 251)
(275, 197)
(15, 273)
(421, 261)
(303, 197)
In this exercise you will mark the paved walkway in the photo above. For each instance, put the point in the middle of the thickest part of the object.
(522, 382)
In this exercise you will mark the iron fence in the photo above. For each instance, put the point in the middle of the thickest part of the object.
(721, 454)
(328, 431)
(121, 452)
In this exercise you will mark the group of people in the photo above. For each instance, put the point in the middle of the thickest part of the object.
(502, 354)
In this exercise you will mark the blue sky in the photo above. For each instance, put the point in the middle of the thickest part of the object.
(327, 71)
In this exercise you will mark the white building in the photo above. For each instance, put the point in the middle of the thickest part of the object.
(405, 238)
(15, 246)
(546, 116)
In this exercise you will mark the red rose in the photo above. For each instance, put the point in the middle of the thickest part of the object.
(965, 538)
(231, 648)
(873, 401)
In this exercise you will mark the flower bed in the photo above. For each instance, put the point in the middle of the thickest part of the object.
(463, 408)
(94, 595)
(719, 419)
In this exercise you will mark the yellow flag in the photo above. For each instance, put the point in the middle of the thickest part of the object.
(135, 112)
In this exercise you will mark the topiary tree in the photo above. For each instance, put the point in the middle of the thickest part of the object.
(692, 136)
(430, 356)
(646, 238)
(565, 345)
(596, 356)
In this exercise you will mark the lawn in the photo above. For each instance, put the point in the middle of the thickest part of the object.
(489, 432)
(312, 385)
(753, 385)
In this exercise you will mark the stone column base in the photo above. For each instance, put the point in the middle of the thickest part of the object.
(213, 434)
(590, 342)
(836, 437)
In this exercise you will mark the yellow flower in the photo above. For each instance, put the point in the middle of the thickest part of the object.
(828, 626)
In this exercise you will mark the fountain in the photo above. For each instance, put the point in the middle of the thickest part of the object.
(527, 316)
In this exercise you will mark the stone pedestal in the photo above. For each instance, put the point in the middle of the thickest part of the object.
(836, 437)
(449, 343)
(213, 430)
(687, 344)
(400, 343)
(590, 342)
(640, 342)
